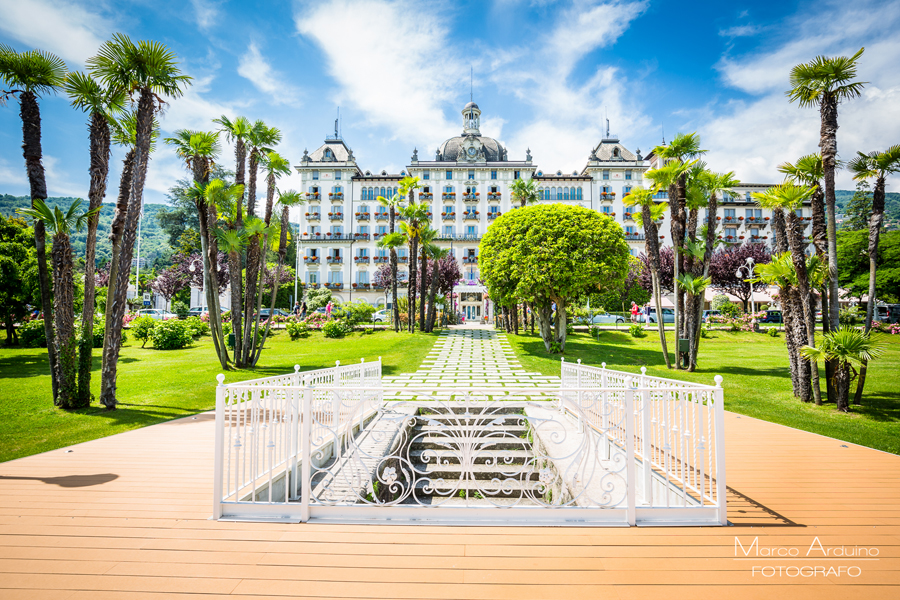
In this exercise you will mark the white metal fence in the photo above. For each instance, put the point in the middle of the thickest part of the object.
(606, 448)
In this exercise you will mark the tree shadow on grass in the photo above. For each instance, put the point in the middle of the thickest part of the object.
(32, 366)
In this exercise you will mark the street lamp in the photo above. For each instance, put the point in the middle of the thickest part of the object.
(749, 268)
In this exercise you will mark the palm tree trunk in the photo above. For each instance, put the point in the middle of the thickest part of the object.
(251, 186)
(798, 257)
(250, 294)
(413, 250)
(712, 209)
(64, 317)
(432, 295)
(282, 248)
(422, 288)
(240, 160)
(875, 221)
(234, 275)
(660, 322)
(395, 310)
(99, 171)
(30, 113)
(828, 145)
(118, 291)
(212, 294)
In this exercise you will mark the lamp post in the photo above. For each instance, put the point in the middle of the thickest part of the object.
(749, 268)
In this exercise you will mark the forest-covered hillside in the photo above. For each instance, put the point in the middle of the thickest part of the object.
(154, 241)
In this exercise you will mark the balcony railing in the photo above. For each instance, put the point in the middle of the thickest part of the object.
(403, 259)
(628, 216)
(426, 196)
(362, 259)
(494, 196)
(313, 216)
(450, 216)
(470, 216)
(363, 216)
(471, 197)
(339, 197)
(336, 216)
(328, 237)
(381, 259)
(758, 238)
(335, 260)
(362, 286)
(334, 286)
(470, 259)
(311, 260)
(493, 215)
(360, 236)
(313, 197)
(449, 196)
(382, 216)
(634, 237)
(756, 221)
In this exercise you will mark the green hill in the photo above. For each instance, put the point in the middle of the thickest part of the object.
(891, 203)
(154, 242)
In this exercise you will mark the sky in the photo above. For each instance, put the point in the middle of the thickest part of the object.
(545, 74)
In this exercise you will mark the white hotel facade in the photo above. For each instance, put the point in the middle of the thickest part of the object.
(467, 186)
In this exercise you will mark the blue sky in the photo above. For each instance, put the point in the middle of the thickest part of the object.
(546, 75)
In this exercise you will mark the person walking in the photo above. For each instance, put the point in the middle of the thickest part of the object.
(634, 311)
(303, 311)
(296, 309)
(328, 308)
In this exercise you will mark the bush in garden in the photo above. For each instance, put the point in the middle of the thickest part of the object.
(100, 331)
(171, 335)
(297, 329)
(636, 330)
(32, 335)
(355, 312)
(181, 309)
(336, 329)
(197, 326)
(369, 330)
(316, 320)
(849, 315)
(141, 328)
(718, 301)
(772, 332)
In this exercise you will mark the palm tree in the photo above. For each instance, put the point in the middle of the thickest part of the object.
(525, 191)
(233, 241)
(147, 70)
(392, 241)
(651, 212)
(199, 150)
(825, 82)
(436, 254)
(877, 165)
(30, 75)
(417, 219)
(849, 348)
(237, 131)
(102, 104)
(426, 237)
(261, 139)
(63, 260)
(790, 197)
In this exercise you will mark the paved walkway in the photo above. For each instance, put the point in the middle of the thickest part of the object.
(470, 356)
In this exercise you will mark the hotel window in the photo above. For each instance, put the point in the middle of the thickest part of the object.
(799, 212)
(312, 277)
(448, 189)
(607, 209)
(627, 173)
(629, 229)
(314, 211)
(546, 193)
(493, 210)
(381, 230)
(578, 191)
(626, 190)
(471, 230)
(315, 175)
(754, 232)
(754, 213)
(364, 230)
(382, 253)
(362, 277)
(729, 212)
(314, 229)
(493, 174)
(605, 173)
(565, 193)
(337, 230)
(606, 189)
(494, 189)
(471, 174)
(449, 175)
(337, 174)
(426, 175)
(335, 277)
(364, 209)
(402, 253)
(515, 174)
(748, 197)
(448, 230)
(337, 189)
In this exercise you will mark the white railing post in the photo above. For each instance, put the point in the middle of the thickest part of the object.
(562, 382)
(305, 454)
(220, 447)
(721, 491)
(630, 482)
(604, 411)
(645, 445)
(296, 380)
(295, 438)
(580, 398)
(643, 383)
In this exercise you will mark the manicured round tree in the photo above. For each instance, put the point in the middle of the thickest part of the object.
(549, 255)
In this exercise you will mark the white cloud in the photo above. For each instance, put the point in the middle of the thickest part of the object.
(740, 31)
(65, 29)
(394, 62)
(206, 13)
(257, 70)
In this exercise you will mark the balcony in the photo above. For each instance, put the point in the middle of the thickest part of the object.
(336, 216)
(470, 259)
(381, 259)
(360, 236)
(448, 216)
(334, 286)
(759, 239)
(313, 216)
(730, 220)
(327, 237)
(426, 196)
(494, 197)
(403, 259)
(634, 237)
(311, 260)
(471, 197)
(759, 221)
(471, 216)
(493, 215)
(382, 216)
(338, 197)
(451, 197)
(731, 239)
(361, 259)
(335, 260)
(362, 286)
(363, 216)
(607, 196)
(313, 197)
(628, 216)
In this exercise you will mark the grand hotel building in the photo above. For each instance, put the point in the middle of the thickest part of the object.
(467, 186)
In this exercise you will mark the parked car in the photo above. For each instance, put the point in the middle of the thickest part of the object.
(201, 311)
(381, 316)
(264, 313)
(772, 316)
(668, 316)
(156, 313)
(606, 318)
(711, 313)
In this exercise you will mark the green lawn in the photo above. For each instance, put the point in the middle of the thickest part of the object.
(157, 385)
(756, 379)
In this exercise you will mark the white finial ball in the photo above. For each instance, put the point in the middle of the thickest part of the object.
(718, 379)
(220, 378)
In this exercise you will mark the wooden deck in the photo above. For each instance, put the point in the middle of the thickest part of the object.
(127, 517)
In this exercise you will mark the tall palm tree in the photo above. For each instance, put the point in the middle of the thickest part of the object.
(417, 219)
(199, 150)
(392, 241)
(651, 212)
(877, 165)
(237, 131)
(525, 191)
(261, 139)
(63, 260)
(849, 348)
(436, 254)
(790, 197)
(426, 237)
(146, 71)
(825, 82)
(30, 75)
(102, 104)
(231, 239)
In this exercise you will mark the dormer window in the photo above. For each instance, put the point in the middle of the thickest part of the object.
(328, 154)
(615, 153)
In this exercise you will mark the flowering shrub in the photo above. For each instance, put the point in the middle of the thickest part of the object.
(892, 328)
(141, 328)
(336, 328)
(128, 318)
(297, 329)
(197, 326)
(100, 331)
(316, 320)
(741, 322)
(171, 335)
(636, 330)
